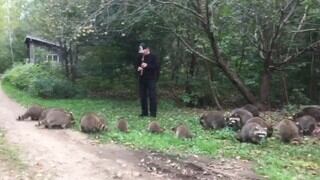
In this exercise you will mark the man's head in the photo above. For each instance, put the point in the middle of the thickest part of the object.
(144, 49)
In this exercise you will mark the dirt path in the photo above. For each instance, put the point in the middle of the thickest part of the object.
(70, 155)
(66, 154)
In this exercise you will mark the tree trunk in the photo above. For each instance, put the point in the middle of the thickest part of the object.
(76, 61)
(217, 55)
(316, 89)
(212, 87)
(241, 61)
(285, 89)
(312, 78)
(265, 88)
(65, 57)
(192, 65)
(175, 66)
(66, 62)
(73, 60)
(190, 74)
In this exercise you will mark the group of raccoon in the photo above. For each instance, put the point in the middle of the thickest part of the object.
(90, 122)
(252, 128)
(49, 118)
(246, 121)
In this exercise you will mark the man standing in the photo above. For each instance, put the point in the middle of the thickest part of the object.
(147, 67)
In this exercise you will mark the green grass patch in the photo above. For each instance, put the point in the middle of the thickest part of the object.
(273, 158)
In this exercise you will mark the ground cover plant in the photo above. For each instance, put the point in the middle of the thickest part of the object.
(273, 158)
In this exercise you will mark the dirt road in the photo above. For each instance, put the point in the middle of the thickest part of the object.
(66, 154)
(70, 155)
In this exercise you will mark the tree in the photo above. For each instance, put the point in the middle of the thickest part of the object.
(268, 24)
(209, 47)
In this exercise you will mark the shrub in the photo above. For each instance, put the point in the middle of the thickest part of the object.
(41, 80)
(21, 76)
(49, 87)
(94, 84)
(298, 96)
(4, 64)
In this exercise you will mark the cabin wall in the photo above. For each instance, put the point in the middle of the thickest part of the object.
(34, 51)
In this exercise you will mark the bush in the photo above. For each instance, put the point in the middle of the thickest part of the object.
(94, 84)
(298, 96)
(21, 76)
(4, 64)
(41, 80)
(47, 87)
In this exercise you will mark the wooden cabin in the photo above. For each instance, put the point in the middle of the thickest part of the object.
(50, 51)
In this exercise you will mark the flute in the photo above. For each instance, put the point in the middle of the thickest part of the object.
(142, 60)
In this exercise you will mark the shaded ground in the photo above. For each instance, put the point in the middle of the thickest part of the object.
(197, 168)
(8, 172)
(67, 154)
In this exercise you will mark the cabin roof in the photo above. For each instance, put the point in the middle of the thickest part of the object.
(30, 39)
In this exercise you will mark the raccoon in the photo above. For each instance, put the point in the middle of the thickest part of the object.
(263, 124)
(289, 132)
(316, 132)
(251, 108)
(91, 123)
(34, 112)
(154, 127)
(306, 124)
(123, 125)
(311, 111)
(56, 118)
(182, 131)
(238, 118)
(212, 120)
(252, 133)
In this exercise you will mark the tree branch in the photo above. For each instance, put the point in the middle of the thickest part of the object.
(192, 49)
(282, 21)
(195, 13)
(306, 30)
(186, 44)
(255, 42)
(189, 46)
(290, 58)
(285, 20)
(304, 17)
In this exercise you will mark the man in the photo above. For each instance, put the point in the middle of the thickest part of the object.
(147, 67)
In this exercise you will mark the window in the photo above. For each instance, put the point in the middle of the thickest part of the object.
(53, 58)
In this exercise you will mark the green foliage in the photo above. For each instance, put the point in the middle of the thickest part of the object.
(298, 96)
(291, 108)
(192, 99)
(47, 87)
(94, 84)
(4, 64)
(21, 76)
(12, 34)
(107, 34)
(41, 80)
(273, 158)
(107, 68)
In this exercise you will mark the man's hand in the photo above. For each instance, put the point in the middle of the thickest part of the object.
(140, 68)
(144, 65)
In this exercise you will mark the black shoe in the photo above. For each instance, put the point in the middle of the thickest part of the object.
(153, 115)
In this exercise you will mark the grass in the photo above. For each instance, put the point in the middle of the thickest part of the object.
(273, 158)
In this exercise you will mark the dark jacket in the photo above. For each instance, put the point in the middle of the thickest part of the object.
(151, 72)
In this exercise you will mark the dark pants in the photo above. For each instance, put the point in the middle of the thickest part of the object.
(147, 90)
